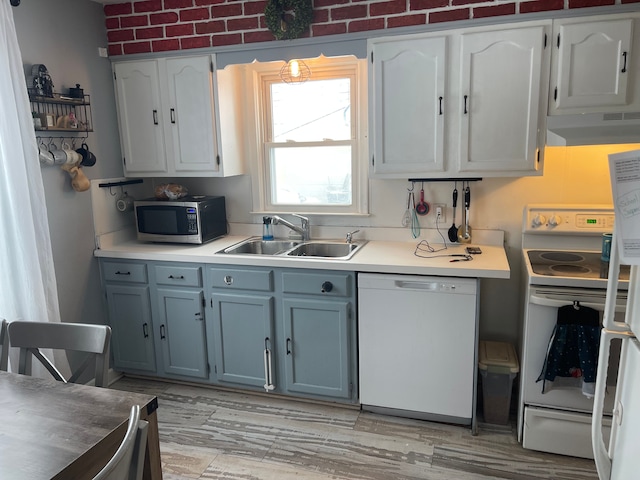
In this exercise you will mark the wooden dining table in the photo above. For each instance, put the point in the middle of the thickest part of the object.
(54, 430)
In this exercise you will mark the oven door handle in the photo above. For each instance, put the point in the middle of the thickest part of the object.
(548, 301)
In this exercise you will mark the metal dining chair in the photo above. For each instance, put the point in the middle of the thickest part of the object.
(128, 461)
(93, 340)
(4, 346)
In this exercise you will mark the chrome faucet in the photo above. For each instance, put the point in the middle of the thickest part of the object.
(303, 229)
(350, 236)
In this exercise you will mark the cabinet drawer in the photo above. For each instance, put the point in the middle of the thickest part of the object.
(124, 272)
(318, 283)
(241, 279)
(178, 275)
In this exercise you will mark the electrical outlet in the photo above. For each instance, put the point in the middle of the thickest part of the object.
(439, 209)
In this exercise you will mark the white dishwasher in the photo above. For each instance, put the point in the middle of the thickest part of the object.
(417, 340)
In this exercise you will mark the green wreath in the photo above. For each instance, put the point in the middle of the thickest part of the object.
(287, 19)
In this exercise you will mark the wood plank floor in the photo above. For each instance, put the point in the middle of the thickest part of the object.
(217, 434)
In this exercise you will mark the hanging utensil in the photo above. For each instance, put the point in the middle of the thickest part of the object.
(464, 232)
(453, 230)
(406, 218)
(415, 224)
(422, 208)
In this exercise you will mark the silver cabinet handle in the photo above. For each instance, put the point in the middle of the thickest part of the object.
(268, 379)
(228, 280)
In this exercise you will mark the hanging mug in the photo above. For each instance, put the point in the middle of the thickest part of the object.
(45, 156)
(88, 158)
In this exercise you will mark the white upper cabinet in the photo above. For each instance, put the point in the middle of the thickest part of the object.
(502, 99)
(169, 119)
(406, 104)
(595, 66)
(466, 103)
(140, 117)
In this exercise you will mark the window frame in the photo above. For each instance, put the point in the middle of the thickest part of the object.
(265, 74)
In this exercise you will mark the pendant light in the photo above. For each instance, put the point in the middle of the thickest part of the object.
(295, 71)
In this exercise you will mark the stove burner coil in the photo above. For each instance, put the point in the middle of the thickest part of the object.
(575, 270)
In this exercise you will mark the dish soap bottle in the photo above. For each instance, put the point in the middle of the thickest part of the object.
(266, 229)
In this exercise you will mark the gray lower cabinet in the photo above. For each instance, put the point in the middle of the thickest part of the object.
(319, 332)
(242, 317)
(179, 322)
(129, 307)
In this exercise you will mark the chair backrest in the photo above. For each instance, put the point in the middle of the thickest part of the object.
(94, 340)
(4, 346)
(128, 461)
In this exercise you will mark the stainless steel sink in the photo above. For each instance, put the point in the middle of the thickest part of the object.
(290, 248)
(255, 246)
(336, 250)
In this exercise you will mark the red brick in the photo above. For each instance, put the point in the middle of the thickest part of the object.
(329, 29)
(494, 10)
(163, 18)
(119, 35)
(344, 13)
(387, 8)
(263, 22)
(117, 9)
(320, 16)
(134, 21)
(541, 6)
(449, 15)
(226, 39)
(194, 14)
(366, 25)
(262, 36)
(175, 4)
(147, 6)
(112, 23)
(195, 42)
(328, 3)
(215, 26)
(227, 10)
(407, 20)
(200, 3)
(427, 4)
(138, 47)
(254, 8)
(179, 30)
(590, 3)
(166, 45)
(115, 49)
(249, 23)
(146, 33)
(465, 2)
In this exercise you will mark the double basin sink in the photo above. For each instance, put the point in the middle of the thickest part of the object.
(290, 248)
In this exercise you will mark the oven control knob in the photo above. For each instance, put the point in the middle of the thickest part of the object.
(539, 220)
(555, 220)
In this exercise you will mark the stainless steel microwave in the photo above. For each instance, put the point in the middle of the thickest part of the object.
(192, 219)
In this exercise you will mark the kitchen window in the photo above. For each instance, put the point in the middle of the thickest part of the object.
(311, 138)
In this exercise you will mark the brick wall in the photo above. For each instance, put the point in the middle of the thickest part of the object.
(164, 25)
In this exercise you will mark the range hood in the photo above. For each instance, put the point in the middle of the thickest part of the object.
(593, 129)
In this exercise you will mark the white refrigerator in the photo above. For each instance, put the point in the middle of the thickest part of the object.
(621, 460)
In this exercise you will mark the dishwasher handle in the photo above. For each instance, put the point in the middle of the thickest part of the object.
(417, 285)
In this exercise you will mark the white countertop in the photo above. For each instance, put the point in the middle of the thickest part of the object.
(374, 256)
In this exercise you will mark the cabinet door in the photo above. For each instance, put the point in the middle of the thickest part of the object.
(503, 74)
(191, 138)
(181, 332)
(316, 347)
(591, 65)
(131, 327)
(407, 105)
(140, 117)
(244, 340)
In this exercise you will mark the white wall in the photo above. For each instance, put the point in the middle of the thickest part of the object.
(65, 35)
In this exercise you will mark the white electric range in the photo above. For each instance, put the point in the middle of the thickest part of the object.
(562, 266)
